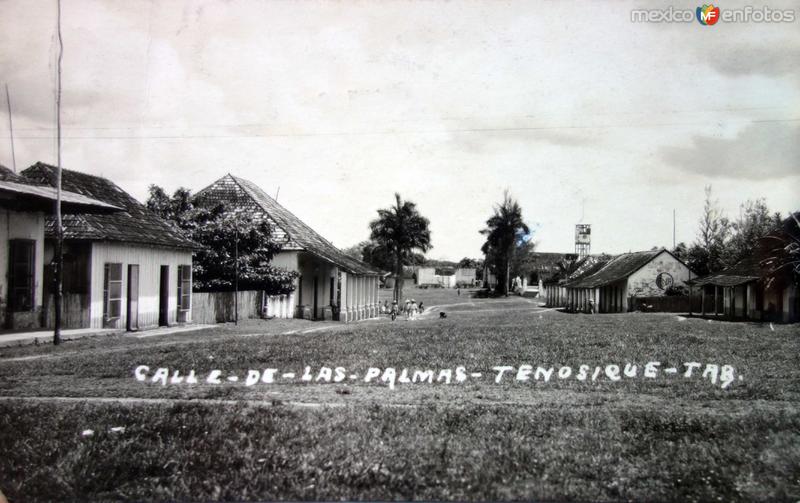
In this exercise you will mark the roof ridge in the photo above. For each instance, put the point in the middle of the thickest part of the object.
(238, 181)
(284, 208)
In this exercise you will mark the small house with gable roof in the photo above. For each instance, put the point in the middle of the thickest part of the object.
(331, 284)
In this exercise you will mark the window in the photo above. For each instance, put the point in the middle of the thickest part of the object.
(112, 291)
(22, 280)
(184, 287)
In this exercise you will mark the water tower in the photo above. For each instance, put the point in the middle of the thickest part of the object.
(583, 240)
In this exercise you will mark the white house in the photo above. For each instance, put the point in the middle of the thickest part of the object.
(617, 283)
(332, 285)
(23, 209)
(128, 269)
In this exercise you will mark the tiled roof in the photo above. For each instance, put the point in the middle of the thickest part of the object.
(243, 195)
(135, 224)
(586, 267)
(618, 268)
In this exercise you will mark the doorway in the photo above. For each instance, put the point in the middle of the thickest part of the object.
(133, 298)
(163, 297)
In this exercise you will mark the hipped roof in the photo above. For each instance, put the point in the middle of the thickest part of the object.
(288, 228)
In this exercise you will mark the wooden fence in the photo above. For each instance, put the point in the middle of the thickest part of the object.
(673, 303)
(219, 307)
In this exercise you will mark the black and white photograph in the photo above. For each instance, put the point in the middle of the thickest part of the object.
(399, 250)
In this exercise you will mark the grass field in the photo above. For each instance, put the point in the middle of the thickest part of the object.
(662, 438)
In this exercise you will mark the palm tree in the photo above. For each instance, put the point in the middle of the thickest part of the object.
(504, 231)
(400, 230)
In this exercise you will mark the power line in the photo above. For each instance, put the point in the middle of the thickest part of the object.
(391, 132)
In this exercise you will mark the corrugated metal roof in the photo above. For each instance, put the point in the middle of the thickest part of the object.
(244, 195)
(69, 200)
(134, 224)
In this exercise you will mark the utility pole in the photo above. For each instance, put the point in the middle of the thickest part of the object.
(11, 131)
(673, 228)
(236, 275)
(59, 257)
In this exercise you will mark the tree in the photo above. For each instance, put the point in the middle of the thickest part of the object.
(782, 252)
(505, 230)
(520, 258)
(356, 251)
(175, 209)
(469, 263)
(755, 222)
(224, 236)
(707, 254)
(681, 251)
(399, 232)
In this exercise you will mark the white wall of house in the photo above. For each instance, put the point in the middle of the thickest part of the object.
(359, 293)
(427, 276)
(642, 283)
(286, 259)
(465, 275)
(150, 260)
(30, 226)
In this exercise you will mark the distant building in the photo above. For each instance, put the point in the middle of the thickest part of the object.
(613, 286)
(754, 288)
(24, 206)
(465, 276)
(332, 285)
(129, 269)
(426, 276)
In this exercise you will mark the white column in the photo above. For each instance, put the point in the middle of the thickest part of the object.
(374, 289)
(370, 297)
(344, 304)
(364, 305)
(351, 286)
(357, 305)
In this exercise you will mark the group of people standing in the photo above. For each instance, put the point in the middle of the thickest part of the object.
(410, 309)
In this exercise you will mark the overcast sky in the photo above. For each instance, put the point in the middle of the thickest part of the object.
(583, 115)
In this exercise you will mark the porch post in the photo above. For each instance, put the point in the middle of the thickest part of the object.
(373, 296)
(375, 287)
(703, 300)
(365, 295)
(716, 292)
(376, 300)
(356, 298)
(690, 299)
(361, 304)
(351, 297)
(343, 301)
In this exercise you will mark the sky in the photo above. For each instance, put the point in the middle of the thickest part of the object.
(581, 114)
